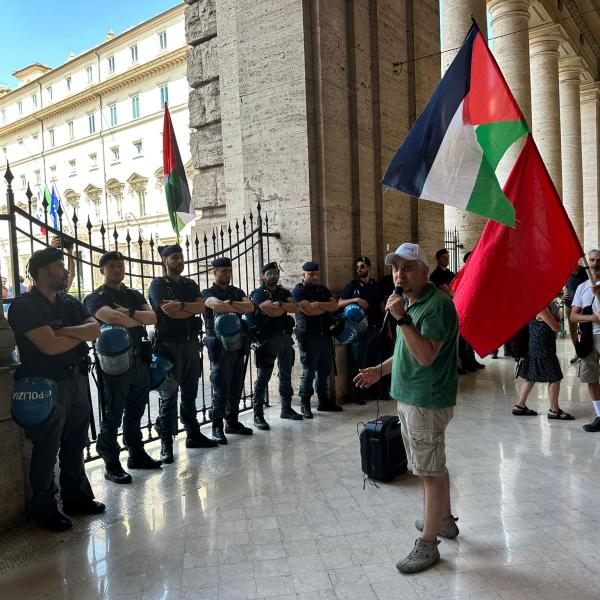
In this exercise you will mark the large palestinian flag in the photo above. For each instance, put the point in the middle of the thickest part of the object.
(451, 154)
(177, 191)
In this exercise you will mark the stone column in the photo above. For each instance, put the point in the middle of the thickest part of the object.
(456, 22)
(570, 70)
(509, 40)
(545, 101)
(590, 117)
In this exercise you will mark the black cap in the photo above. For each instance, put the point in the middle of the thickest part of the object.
(441, 252)
(168, 250)
(222, 261)
(41, 258)
(466, 256)
(310, 266)
(364, 259)
(112, 255)
(269, 266)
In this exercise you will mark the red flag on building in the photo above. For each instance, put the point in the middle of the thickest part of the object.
(513, 273)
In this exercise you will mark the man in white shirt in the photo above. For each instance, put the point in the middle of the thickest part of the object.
(588, 371)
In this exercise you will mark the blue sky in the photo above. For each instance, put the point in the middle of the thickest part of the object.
(47, 30)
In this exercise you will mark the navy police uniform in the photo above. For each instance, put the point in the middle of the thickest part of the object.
(65, 432)
(365, 349)
(226, 367)
(126, 395)
(314, 341)
(179, 340)
(274, 344)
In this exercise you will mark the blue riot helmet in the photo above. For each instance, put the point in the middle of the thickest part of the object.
(356, 315)
(161, 377)
(249, 323)
(33, 400)
(114, 349)
(228, 329)
(343, 331)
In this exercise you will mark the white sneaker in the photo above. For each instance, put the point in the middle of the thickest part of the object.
(421, 557)
(448, 527)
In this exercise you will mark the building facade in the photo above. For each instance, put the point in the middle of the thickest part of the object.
(92, 128)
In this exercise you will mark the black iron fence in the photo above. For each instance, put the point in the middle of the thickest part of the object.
(454, 247)
(245, 242)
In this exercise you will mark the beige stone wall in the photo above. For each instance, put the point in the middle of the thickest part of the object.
(296, 103)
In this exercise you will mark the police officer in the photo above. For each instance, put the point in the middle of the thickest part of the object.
(178, 303)
(274, 332)
(226, 366)
(52, 329)
(316, 304)
(125, 395)
(365, 349)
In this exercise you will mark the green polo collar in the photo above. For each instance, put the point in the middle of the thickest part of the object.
(427, 293)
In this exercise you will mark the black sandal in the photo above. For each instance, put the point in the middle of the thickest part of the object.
(560, 414)
(523, 411)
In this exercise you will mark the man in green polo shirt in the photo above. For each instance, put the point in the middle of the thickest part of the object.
(424, 383)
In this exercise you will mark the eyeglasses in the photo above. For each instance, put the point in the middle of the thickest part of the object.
(272, 274)
(404, 268)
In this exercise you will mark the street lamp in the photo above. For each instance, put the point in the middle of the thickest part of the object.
(131, 217)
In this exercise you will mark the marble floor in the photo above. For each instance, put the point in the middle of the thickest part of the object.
(285, 515)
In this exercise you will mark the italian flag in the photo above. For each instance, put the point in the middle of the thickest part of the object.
(177, 191)
(451, 154)
(528, 248)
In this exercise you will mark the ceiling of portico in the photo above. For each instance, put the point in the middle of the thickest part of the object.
(579, 22)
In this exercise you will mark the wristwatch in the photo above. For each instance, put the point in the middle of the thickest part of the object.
(405, 320)
(131, 312)
(181, 305)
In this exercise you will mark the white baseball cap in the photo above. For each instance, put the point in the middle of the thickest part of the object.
(407, 251)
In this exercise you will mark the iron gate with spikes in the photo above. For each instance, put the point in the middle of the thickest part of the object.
(245, 241)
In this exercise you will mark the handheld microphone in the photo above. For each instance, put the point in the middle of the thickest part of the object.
(399, 291)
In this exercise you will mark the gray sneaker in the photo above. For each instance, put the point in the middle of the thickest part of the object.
(448, 527)
(421, 557)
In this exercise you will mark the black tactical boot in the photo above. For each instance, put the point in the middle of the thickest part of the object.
(114, 472)
(217, 432)
(197, 439)
(166, 450)
(142, 460)
(305, 408)
(260, 423)
(287, 412)
(237, 428)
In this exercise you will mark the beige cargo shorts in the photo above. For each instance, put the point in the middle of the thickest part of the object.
(588, 369)
(423, 432)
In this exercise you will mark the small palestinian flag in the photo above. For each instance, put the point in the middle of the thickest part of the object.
(451, 154)
(179, 199)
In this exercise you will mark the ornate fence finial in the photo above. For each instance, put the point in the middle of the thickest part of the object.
(8, 174)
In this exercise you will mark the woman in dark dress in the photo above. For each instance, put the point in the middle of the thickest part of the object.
(541, 364)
